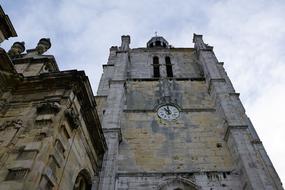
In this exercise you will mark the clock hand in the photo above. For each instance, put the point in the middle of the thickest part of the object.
(167, 111)
(168, 108)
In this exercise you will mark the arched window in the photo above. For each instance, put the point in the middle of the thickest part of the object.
(168, 67)
(177, 184)
(83, 181)
(156, 72)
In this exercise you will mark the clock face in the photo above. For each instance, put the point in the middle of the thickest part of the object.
(168, 112)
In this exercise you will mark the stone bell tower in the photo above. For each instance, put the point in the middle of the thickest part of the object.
(173, 121)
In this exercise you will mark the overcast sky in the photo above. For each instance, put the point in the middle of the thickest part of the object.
(248, 35)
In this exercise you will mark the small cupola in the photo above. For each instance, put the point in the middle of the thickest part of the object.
(157, 41)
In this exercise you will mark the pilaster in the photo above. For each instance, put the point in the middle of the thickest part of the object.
(252, 162)
(113, 112)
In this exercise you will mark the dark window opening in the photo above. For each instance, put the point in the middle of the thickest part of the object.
(168, 67)
(156, 72)
(82, 182)
(164, 44)
(157, 43)
(46, 184)
(17, 174)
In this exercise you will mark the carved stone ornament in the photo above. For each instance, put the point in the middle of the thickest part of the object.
(177, 183)
(16, 49)
(48, 108)
(43, 45)
(16, 124)
(72, 118)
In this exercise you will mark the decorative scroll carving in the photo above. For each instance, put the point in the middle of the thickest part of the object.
(16, 124)
(48, 108)
(72, 118)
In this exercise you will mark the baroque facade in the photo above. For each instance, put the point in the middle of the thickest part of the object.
(164, 118)
(50, 133)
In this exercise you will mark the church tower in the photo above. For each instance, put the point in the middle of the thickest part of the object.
(173, 121)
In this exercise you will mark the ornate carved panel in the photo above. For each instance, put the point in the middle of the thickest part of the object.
(72, 118)
(48, 108)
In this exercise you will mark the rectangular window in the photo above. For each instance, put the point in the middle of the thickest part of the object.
(169, 71)
(156, 72)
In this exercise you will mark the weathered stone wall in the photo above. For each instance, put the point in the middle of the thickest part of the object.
(101, 102)
(40, 141)
(191, 143)
(155, 181)
(187, 94)
(211, 145)
(151, 147)
(183, 60)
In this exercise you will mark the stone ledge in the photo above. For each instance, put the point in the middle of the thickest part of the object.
(114, 130)
(33, 146)
(116, 82)
(182, 110)
(230, 127)
(169, 78)
(101, 96)
(27, 164)
(108, 65)
(234, 94)
(156, 174)
(199, 110)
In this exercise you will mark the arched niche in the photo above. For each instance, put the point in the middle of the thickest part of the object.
(177, 184)
(83, 181)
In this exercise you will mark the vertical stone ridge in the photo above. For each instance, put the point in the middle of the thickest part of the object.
(253, 164)
(111, 119)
